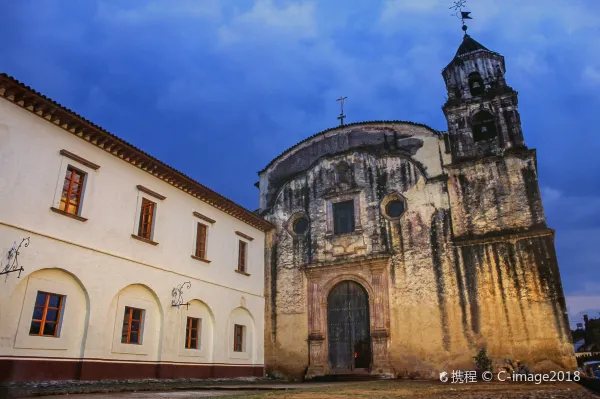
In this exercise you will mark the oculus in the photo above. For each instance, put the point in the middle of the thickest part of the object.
(298, 224)
(393, 206)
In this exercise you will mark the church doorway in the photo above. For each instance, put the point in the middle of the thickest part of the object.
(348, 332)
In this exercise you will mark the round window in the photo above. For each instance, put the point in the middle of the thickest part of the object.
(394, 208)
(301, 225)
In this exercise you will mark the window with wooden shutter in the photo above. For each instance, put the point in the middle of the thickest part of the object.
(242, 256)
(201, 241)
(132, 326)
(192, 333)
(146, 219)
(70, 200)
(46, 314)
(238, 338)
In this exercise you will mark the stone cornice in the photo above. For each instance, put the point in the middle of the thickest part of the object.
(25, 97)
(523, 153)
(374, 262)
(508, 236)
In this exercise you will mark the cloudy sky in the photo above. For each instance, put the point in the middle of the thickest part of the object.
(218, 88)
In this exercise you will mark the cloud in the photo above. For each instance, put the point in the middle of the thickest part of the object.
(267, 21)
(571, 209)
(579, 305)
(591, 75)
(239, 82)
(159, 10)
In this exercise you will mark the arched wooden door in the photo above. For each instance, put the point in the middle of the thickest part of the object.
(348, 331)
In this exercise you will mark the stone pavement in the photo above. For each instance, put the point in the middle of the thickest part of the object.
(153, 388)
(366, 389)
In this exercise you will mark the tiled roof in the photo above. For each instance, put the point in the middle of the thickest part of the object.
(469, 45)
(25, 97)
(343, 127)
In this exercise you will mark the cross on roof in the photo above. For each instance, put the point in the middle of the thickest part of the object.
(342, 116)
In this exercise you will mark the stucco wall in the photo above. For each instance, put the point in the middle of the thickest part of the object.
(103, 267)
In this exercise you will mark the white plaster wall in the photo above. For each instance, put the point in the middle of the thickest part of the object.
(102, 263)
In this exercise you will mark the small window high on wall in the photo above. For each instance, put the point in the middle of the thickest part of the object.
(70, 201)
(484, 126)
(146, 219)
(201, 230)
(343, 217)
(242, 256)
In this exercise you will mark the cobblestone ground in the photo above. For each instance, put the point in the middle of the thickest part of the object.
(376, 390)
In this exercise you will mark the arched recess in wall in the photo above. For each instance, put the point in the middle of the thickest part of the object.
(48, 314)
(241, 336)
(476, 86)
(196, 332)
(134, 323)
(483, 125)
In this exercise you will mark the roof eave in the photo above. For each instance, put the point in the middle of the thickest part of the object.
(290, 149)
(27, 98)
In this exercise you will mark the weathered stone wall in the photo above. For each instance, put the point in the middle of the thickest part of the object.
(495, 195)
(503, 295)
(372, 179)
(471, 264)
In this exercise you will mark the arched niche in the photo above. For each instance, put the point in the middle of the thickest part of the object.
(476, 86)
(202, 317)
(48, 315)
(483, 125)
(137, 319)
(241, 317)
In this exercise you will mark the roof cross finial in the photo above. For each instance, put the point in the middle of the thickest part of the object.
(342, 116)
(460, 14)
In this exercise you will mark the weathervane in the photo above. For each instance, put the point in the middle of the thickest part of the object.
(460, 14)
(342, 116)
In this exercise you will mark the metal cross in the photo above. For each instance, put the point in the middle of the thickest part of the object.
(342, 116)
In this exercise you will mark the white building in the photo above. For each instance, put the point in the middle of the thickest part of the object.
(108, 238)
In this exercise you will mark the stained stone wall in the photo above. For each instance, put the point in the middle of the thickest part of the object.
(469, 264)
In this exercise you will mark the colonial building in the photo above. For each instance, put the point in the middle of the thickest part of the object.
(400, 250)
(115, 265)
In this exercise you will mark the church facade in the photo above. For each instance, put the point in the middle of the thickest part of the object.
(400, 250)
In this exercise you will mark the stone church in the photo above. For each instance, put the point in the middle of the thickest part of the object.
(400, 250)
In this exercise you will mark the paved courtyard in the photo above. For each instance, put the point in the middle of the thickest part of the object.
(372, 390)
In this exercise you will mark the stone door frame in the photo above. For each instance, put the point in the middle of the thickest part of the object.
(372, 274)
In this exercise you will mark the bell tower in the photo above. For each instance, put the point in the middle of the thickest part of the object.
(481, 110)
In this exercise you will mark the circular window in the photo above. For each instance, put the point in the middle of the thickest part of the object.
(394, 208)
(300, 225)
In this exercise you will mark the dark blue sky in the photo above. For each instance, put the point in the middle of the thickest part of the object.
(219, 88)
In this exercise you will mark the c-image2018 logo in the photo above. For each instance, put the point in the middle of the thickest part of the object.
(444, 376)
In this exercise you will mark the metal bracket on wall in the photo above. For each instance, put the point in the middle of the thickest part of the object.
(12, 259)
(177, 295)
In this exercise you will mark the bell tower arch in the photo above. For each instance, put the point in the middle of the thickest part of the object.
(481, 110)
